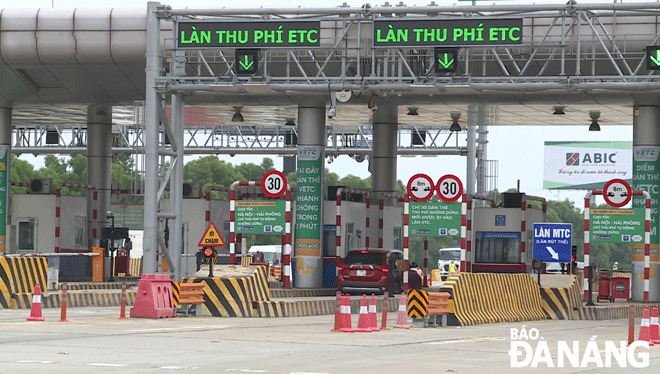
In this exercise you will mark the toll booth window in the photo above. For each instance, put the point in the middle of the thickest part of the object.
(396, 232)
(26, 235)
(497, 247)
(80, 231)
(329, 241)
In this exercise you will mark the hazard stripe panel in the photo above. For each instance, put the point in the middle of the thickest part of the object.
(74, 299)
(488, 298)
(311, 307)
(418, 303)
(559, 303)
(19, 275)
(176, 291)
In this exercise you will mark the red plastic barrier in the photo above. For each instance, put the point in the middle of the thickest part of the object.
(154, 297)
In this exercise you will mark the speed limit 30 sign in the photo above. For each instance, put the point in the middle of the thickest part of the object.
(273, 184)
(449, 188)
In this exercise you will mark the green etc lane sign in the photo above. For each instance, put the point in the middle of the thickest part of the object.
(258, 34)
(653, 57)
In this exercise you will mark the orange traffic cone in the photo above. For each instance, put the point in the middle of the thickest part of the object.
(373, 314)
(655, 327)
(345, 311)
(35, 313)
(363, 319)
(402, 318)
(645, 329)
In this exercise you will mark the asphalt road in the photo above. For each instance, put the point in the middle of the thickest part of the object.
(96, 341)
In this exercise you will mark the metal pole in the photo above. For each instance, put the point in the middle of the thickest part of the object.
(153, 62)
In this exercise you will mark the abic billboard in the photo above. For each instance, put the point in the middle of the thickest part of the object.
(585, 165)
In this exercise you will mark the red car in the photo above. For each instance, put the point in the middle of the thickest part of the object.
(371, 271)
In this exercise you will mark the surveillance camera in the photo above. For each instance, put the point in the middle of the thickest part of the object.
(332, 112)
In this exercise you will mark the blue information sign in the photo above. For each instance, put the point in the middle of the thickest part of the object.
(552, 242)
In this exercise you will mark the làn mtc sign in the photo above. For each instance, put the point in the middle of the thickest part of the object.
(258, 34)
(454, 32)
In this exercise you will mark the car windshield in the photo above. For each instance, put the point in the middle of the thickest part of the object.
(453, 255)
(361, 258)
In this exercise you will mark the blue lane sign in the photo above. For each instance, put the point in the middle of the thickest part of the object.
(552, 242)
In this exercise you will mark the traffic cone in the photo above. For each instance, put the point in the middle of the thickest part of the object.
(373, 315)
(645, 329)
(35, 313)
(402, 318)
(655, 327)
(363, 319)
(345, 311)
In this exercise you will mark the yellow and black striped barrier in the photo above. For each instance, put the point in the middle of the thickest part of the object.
(18, 276)
(418, 303)
(233, 296)
(488, 298)
(560, 302)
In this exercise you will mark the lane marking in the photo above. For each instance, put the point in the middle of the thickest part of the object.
(181, 328)
(470, 340)
(106, 365)
(179, 367)
(35, 362)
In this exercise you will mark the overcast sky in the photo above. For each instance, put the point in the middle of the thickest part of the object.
(519, 150)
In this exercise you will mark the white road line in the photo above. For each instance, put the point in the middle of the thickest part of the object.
(35, 362)
(107, 365)
(181, 328)
(471, 340)
(178, 367)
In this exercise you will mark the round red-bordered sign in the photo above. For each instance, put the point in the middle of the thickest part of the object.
(420, 187)
(273, 184)
(449, 188)
(617, 193)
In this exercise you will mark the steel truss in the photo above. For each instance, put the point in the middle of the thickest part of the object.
(570, 48)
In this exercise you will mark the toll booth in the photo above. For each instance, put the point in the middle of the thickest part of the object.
(32, 231)
(498, 242)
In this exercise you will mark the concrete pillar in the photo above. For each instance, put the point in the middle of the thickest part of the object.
(646, 148)
(470, 175)
(99, 168)
(309, 205)
(5, 161)
(383, 153)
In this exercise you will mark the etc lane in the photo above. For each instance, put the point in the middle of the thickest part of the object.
(95, 341)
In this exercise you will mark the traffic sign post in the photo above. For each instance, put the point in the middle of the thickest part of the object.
(552, 242)
(617, 193)
(247, 61)
(420, 187)
(449, 188)
(273, 184)
(446, 60)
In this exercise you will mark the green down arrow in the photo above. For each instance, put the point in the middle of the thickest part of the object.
(656, 59)
(446, 64)
(247, 64)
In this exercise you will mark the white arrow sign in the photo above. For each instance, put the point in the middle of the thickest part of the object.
(553, 253)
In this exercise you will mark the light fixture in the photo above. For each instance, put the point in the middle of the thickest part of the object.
(238, 117)
(290, 121)
(559, 109)
(52, 136)
(594, 114)
(412, 111)
(454, 124)
(372, 103)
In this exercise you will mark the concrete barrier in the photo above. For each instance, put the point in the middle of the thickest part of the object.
(559, 302)
(489, 298)
(18, 276)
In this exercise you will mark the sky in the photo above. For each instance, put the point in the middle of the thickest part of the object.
(519, 161)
